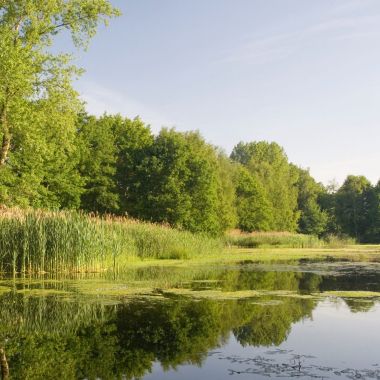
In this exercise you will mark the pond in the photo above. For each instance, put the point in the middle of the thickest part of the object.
(243, 321)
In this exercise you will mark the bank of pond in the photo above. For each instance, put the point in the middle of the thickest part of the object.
(48, 241)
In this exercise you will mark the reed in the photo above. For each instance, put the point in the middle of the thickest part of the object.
(285, 240)
(273, 239)
(59, 241)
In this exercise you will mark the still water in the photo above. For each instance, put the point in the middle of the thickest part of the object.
(241, 321)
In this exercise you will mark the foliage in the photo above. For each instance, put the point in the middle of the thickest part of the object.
(269, 164)
(273, 239)
(55, 156)
(353, 205)
(312, 220)
(253, 208)
(38, 106)
(111, 148)
(178, 182)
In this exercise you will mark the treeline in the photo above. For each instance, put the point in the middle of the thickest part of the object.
(116, 165)
(54, 159)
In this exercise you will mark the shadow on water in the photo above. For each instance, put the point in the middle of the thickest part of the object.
(51, 327)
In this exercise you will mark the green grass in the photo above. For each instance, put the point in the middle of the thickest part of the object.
(38, 241)
(235, 255)
(44, 241)
(284, 240)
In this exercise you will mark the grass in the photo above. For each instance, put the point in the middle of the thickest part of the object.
(234, 255)
(355, 253)
(38, 241)
(283, 240)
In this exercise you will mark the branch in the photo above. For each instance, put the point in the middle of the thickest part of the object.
(62, 25)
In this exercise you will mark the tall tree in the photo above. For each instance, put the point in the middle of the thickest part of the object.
(42, 167)
(35, 84)
(226, 171)
(353, 207)
(179, 183)
(269, 164)
(312, 219)
(253, 208)
(98, 164)
(111, 149)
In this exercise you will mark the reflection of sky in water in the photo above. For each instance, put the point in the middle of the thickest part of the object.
(334, 343)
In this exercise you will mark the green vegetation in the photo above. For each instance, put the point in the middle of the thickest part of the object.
(46, 336)
(273, 239)
(38, 241)
(357, 253)
(70, 241)
(269, 166)
(54, 156)
(285, 240)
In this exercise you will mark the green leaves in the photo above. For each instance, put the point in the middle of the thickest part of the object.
(177, 182)
(38, 106)
(268, 163)
(253, 208)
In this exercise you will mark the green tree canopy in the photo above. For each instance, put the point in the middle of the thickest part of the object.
(253, 208)
(111, 148)
(312, 219)
(353, 206)
(269, 164)
(179, 182)
(38, 106)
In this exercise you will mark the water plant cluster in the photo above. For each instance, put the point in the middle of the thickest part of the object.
(35, 241)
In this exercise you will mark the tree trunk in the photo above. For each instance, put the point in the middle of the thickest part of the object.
(6, 144)
(4, 365)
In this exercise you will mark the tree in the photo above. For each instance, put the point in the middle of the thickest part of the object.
(253, 208)
(372, 204)
(98, 164)
(111, 148)
(312, 219)
(353, 206)
(42, 167)
(269, 164)
(37, 100)
(226, 171)
(178, 182)
(133, 139)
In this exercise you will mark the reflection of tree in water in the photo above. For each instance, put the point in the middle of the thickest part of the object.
(271, 325)
(356, 305)
(48, 337)
(248, 279)
(45, 337)
(357, 277)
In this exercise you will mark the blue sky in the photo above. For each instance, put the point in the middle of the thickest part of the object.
(303, 73)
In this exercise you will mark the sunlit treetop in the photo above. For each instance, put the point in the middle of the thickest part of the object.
(35, 22)
(30, 73)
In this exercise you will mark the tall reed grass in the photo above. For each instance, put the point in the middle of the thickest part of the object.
(37, 241)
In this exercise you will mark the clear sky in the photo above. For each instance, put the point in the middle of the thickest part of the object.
(303, 73)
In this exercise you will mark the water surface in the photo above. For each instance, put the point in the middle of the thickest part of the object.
(243, 321)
